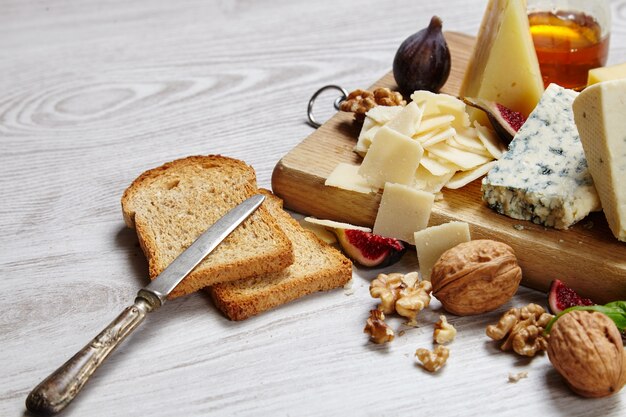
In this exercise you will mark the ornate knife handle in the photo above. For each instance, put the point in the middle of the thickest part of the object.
(55, 392)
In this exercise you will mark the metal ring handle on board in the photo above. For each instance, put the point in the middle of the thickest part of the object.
(337, 103)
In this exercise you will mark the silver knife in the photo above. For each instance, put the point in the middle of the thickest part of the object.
(55, 392)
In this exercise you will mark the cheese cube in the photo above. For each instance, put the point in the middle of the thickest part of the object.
(600, 115)
(392, 157)
(346, 176)
(403, 210)
(433, 241)
(614, 72)
(543, 177)
(504, 66)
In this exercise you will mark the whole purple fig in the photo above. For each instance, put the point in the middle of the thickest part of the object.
(423, 60)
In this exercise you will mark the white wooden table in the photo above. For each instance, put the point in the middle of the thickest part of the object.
(92, 93)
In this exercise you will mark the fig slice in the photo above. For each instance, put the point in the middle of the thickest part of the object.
(505, 122)
(368, 249)
(561, 297)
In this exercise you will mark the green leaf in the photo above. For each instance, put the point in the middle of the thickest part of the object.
(615, 310)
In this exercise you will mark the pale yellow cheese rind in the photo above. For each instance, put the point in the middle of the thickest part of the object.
(600, 116)
(403, 210)
(504, 66)
(433, 241)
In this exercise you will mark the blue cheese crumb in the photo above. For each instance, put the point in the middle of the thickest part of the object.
(543, 177)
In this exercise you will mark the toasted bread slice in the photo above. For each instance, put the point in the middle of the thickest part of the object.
(317, 267)
(170, 206)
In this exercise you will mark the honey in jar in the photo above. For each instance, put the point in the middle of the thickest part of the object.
(568, 45)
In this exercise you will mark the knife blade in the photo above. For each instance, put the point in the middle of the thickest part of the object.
(55, 392)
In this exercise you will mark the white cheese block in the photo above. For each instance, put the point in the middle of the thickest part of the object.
(600, 115)
(543, 177)
(403, 210)
(392, 157)
(346, 176)
(433, 241)
(336, 225)
(614, 72)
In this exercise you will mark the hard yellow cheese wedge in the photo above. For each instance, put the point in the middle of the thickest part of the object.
(504, 66)
(614, 72)
(599, 115)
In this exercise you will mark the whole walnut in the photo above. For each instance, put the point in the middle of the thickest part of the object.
(586, 348)
(475, 277)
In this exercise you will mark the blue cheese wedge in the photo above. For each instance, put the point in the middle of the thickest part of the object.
(544, 177)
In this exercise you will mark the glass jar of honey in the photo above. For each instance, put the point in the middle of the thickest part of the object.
(570, 37)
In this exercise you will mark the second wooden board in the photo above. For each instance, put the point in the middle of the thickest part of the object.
(587, 257)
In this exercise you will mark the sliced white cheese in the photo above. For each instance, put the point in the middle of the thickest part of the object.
(392, 157)
(336, 225)
(435, 122)
(466, 160)
(468, 140)
(403, 211)
(432, 242)
(346, 176)
(365, 140)
(426, 181)
(600, 116)
(436, 166)
(490, 140)
(462, 178)
(320, 231)
(407, 120)
(382, 114)
(439, 137)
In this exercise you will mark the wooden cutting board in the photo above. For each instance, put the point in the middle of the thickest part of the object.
(587, 256)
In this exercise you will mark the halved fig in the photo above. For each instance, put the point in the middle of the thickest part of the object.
(368, 249)
(505, 122)
(561, 297)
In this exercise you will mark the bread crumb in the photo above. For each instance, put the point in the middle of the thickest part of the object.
(518, 227)
(514, 378)
(348, 288)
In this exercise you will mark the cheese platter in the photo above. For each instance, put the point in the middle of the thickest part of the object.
(587, 255)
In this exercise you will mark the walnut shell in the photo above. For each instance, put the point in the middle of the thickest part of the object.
(476, 277)
(586, 348)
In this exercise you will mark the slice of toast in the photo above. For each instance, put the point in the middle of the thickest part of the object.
(170, 206)
(317, 267)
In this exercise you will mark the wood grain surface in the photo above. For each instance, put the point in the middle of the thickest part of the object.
(95, 92)
(586, 251)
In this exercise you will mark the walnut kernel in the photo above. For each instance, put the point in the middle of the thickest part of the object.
(387, 288)
(444, 331)
(360, 101)
(377, 328)
(522, 330)
(433, 361)
(412, 300)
